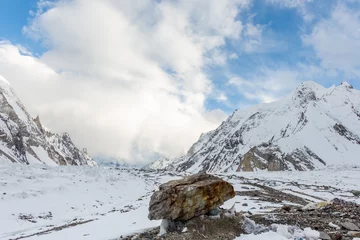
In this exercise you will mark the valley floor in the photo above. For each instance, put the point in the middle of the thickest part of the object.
(42, 202)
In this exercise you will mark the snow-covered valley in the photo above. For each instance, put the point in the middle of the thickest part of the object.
(179, 120)
(67, 202)
(50, 189)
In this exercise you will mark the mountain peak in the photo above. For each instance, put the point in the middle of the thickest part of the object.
(309, 85)
(312, 127)
(346, 85)
(307, 91)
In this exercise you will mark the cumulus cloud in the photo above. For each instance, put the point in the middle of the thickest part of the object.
(125, 78)
(258, 39)
(222, 97)
(233, 56)
(253, 36)
(336, 40)
(267, 85)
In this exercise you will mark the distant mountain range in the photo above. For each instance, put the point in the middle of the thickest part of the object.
(104, 161)
(24, 139)
(310, 128)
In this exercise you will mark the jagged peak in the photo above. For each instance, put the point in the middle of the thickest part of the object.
(65, 136)
(309, 85)
(346, 85)
(307, 91)
(38, 124)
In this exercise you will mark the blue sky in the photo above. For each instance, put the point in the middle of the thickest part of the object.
(284, 28)
(14, 15)
(194, 62)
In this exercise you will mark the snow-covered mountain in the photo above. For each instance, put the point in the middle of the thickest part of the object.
(160, 163)
(24, 139)
(309, 129)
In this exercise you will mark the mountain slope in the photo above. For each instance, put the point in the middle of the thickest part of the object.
(24, 139)
(309, 129)
(159, 164)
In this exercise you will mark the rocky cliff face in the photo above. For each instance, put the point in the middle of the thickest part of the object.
(270, 157)
(25, 140)
(309, 129)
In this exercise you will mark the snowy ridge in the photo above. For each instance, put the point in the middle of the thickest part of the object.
(160, 163)
(25, 140)
(310, 128)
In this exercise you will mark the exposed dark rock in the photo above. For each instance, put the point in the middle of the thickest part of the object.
(270, 157)
(199, 228)
(356, 193)
(343, 131)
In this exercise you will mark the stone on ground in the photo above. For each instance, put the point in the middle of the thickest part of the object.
(350, 226)
(189, 197)
(324, 236)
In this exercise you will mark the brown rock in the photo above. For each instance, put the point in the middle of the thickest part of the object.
(189, 197)
(353, 234)
(286, 208)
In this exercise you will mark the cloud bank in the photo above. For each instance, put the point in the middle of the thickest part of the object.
(125, 78)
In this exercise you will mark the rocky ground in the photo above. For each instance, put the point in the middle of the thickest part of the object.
(334, 219)
(337, 219)
(205, 227)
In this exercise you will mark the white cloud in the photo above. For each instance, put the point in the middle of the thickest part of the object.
(267, 85)
(258, 38)
(222, 97)
(112, 118)
(336, 40)
(125, 78)
(233, 56)
(253, 36)
(217, 57)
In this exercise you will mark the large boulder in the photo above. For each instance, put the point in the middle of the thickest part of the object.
(189, 197)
